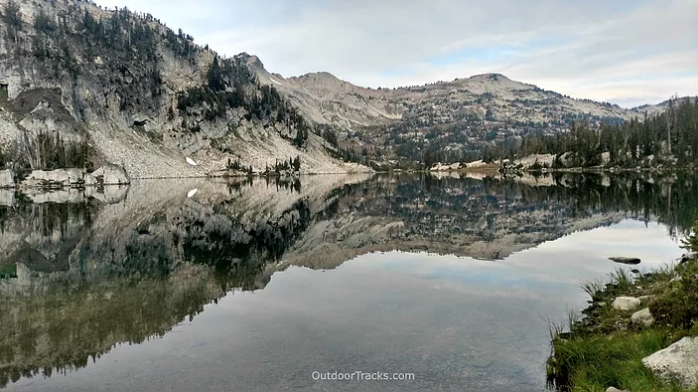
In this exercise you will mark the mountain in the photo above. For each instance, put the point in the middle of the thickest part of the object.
(455, 119)
(82, 86)
(657, 108)
(126, 89)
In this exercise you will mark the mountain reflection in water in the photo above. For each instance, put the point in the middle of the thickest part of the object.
(82, 273)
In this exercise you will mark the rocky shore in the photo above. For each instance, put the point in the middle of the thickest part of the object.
(543, 163)
(65, 178)
(639, 333)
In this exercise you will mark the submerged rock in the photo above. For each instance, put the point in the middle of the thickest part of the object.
(7, 179)
(676, 363)
(625, 260)
(626, 303)
(642, 317)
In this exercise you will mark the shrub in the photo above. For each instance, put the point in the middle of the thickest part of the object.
(679, 308)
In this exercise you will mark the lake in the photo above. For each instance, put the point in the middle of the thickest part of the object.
(443, 282)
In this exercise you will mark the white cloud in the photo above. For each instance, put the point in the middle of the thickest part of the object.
(578, 49)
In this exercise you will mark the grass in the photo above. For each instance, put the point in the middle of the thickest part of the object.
(596, 362)
(603, 349)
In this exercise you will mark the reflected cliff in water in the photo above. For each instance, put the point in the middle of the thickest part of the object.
(81, 273)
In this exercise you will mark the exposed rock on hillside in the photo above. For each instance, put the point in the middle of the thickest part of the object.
(450, 120)
(139, 95)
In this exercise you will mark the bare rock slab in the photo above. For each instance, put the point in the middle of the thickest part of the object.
(626, 303)
(676, 363)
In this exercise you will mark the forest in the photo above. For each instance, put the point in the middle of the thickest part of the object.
(670, 137)
(46, 152)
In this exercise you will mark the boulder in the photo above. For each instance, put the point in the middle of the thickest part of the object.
(684, 259)
(455, 166)
(625, 260)
(605, 158)
(676, 363)
(642, 317)
(7, 179)
(90, 180)
(626, 303)
(111, 175)
(614, 389)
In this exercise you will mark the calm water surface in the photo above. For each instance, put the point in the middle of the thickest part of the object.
(254, 286)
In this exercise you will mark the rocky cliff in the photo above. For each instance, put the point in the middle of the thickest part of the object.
(120, 87)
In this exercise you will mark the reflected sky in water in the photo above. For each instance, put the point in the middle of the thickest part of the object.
(458, 323)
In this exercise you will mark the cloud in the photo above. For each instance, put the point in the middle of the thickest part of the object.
(579, 49)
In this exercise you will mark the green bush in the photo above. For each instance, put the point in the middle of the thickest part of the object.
(679, 307)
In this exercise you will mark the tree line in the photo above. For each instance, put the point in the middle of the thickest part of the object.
(46, 152)
(227, 87)
(668, 137)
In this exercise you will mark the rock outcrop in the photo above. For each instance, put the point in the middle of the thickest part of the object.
(60, 178)
(110, 175)
(676, 363)
(76, 178)
(531, 162)
(7, 179)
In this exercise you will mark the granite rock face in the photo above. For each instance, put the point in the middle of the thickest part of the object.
(676, 363)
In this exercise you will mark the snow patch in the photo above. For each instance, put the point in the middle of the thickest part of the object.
(191, 161)
(192, 193)
(274, 81)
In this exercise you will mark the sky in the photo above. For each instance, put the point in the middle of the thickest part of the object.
(628, 52)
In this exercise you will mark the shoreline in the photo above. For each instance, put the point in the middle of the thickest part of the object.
(635, 335)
